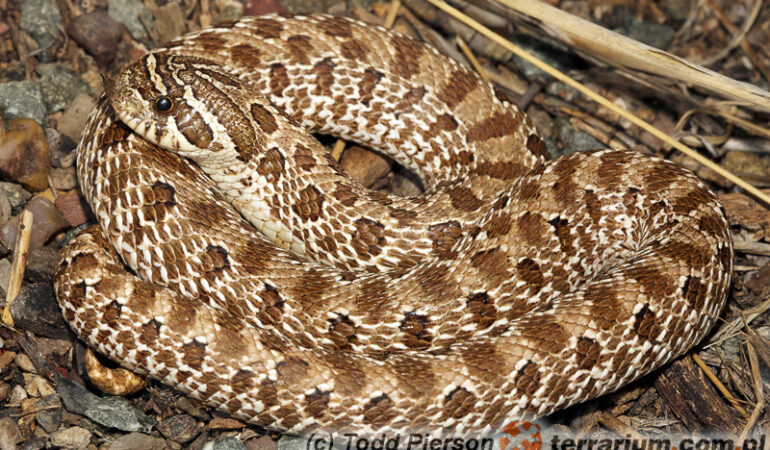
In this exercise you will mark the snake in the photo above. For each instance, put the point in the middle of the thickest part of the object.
(236, 261)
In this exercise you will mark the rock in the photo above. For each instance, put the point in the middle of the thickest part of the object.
(41, 263)
(47, 221)
(61, 148)
(98, 33)
(132, 13)
(5, 208)
(17, 395)
(19, 99)
(60, 85)
(6, 358)
(117, 412)
(259, 7)
(75, 397)
(16, 196)
(73, 437)
(658, 35)
(180, 428)
(35, 309)
(24, 363)
(365, 166)
(169, 21)
(24, 155)
(42, 20)
(74, 208)
(5, 388)
(49, 411)
(288, 442)
(261, 443)
(9, 433)
(37, 386)
(74, 119)
(230, 443)
(5, 276)
(138, 441)
(64, 179)
(231, 11)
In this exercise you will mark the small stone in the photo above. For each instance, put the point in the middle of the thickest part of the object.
(42, 20)
(73, 120)
(41, 264)
(75, 397)
(259, 7)
(138, 441)
(49, 412)
(64, 179)
(47, 221)
(35, 309)
(73, 437)
(365, 166)
(5, 389)
(133, 14)
(98, 33)
(262, 443)
(17, 196)
(288, 442)
(5, 276)
(22, 99)
(9, 433)
(24, 155)
(24, 363)
(74, 208)
(61, 148)
(6, 358)
(231, 11)
(37, 386)
(225, 423)
(169, 21)
(230, 443)
(180, 428)
(17, 395)
(117, 412)
(60, 84)
(5, 208)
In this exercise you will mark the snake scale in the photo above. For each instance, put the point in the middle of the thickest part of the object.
(514, 287)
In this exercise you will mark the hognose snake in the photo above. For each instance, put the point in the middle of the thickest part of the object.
(513, 288)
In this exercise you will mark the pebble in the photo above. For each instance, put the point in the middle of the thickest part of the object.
(64, 179)
(5, 388)
(129, 12)
(24, 155)
(24, 363)
(35, 309)
(37, 386)
(5, 276)
(74, 118)
(61, 148)
(117, 412)
(5, 208)
(6, 358)
(17, 395)
(230, 443)
(365, 166)
(74, 208)
(47, 221)
(138, 441)
(16, 195)
(169, 21)
(287, 442)
(180, 428)
(41, 19)
(49, 412)
(41, 264)
(75, 397)
(259, 7)
(261, 443)
(9, 433)
(73, 437)
(60, 84)
(98, 33)
(22, 99)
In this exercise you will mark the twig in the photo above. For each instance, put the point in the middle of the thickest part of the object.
(759, 407)
(753, 248)
(339, 147)
(390, 19)
(718, 384)
(603, 101)
(471, 58)
(20, 252)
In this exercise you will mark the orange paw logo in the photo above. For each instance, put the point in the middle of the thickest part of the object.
(521, 436)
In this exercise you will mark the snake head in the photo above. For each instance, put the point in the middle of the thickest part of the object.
(184, 104)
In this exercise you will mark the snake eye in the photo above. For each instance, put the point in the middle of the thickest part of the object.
(164, 104)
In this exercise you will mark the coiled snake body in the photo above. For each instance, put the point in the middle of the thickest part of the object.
(513, 288)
